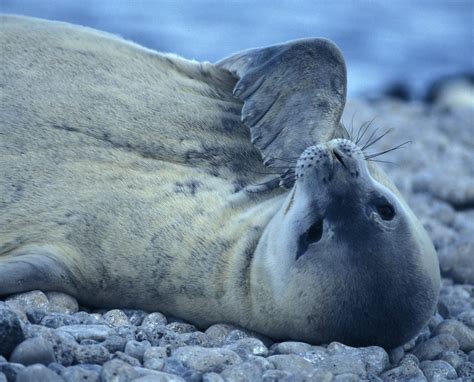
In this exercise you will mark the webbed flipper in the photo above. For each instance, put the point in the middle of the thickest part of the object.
(294, 95)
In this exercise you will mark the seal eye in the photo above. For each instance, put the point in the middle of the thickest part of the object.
(312, 235)
(386, 211)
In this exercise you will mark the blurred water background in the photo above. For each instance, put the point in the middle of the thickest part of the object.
(384, 42)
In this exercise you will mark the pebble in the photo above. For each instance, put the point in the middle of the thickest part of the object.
(410, 373)
(30, 300)
(375, 358)
(204, 360)
(15, 308)
(247, 347)
(238, 334)
(132, 361)
(176, 367)
(11, 332)
(212, 377)
(35, 315)
(136, 349)
(409, 360)
(158, 376)
(438, 370)
(467, 318)
(245, 371)
(322, 376)
(114, 343)
(94, 332)
(160, 336)
(291, 362)
(463, 334)
(154, 357)
(135, 317)
(116, 317)
(64, 346)
(435, 346)
(457, 264)
(435, 321)
(456, 298)
(261, 362)
(11, 370)
(88, 319)
(276, 375)
(396, 354)
(344, 363)
(38, 373)
(466, 371)
(56, 320)
(346, 377)
(56, 367)
(88, 341)
(95, 354)
(78, 373)
(117, 371)
(453, 358)
(195, 338)
(128, 332)
(218, 333)
(154, 319)
(315, 355)
(290, 347)
(181, 327)
(33, 350)
(62, 303)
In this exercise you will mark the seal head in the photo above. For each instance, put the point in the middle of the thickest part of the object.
(346, 256)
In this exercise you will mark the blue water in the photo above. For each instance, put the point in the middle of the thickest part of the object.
(384, 41)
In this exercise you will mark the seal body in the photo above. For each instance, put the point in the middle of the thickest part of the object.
(124, 164)
(125, 178)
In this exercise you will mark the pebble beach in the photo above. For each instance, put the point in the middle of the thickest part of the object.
(48, 336)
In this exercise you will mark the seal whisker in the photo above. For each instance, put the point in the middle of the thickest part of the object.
(369, 139)
(388, 150)
(349, 136)
(375, 140)
(365, 126)
(381, 161)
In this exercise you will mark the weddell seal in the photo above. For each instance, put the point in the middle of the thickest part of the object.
(224, 192)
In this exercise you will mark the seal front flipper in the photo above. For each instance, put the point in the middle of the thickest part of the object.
(34, 267)
(294, 95)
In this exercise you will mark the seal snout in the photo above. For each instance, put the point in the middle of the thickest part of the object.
(326, 161)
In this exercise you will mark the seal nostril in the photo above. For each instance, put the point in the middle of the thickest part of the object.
(339, 158)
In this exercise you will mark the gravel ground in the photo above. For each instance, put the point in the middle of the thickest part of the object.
(49, 337)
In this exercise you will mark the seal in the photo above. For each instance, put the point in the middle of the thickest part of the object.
(224, 192)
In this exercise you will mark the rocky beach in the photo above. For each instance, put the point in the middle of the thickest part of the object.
(48, 336)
